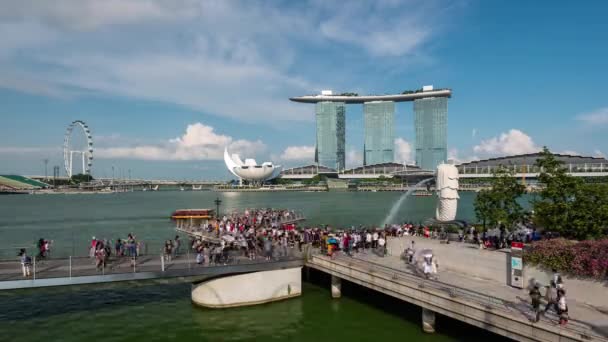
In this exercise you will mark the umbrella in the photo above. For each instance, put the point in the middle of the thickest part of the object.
(228, 238)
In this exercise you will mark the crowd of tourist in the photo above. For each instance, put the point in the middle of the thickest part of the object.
(101, 249)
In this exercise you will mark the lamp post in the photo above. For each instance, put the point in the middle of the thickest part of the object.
(217, 202)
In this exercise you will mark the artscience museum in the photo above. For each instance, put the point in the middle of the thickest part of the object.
(249, 170)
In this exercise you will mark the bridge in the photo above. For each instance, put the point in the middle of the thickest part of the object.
(81, 270)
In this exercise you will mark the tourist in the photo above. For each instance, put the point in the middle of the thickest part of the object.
(168, 250)
(368, 240)
(381, 245)
(26, 262)
(118, 248)
(557, 279)
(268, 248)
(176, 245)
(100, 256)
(410, 251)
(375, 240)
(427, 266)
(92, 248)
(562, 305)
(551, 297)
(535, 298)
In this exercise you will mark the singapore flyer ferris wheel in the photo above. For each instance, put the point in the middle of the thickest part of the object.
(72, 146)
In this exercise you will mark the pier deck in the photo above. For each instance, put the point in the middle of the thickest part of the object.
(483, 303)
(56, 272)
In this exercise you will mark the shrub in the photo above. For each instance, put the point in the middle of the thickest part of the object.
(581, 259)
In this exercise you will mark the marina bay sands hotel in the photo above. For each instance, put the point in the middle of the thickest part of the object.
(430, 122)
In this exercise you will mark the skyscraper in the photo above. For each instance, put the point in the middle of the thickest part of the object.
(379, 140)
(430, 121)
(330, 134)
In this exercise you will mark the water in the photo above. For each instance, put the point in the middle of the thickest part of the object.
(161, 310)
(71, 220)
(390, 218)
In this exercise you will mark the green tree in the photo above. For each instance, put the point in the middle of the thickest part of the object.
(499, 203)
(567, 205)
(555, 208)
(79, 178)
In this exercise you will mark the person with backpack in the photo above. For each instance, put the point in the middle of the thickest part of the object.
(551, 297)
(535, 297)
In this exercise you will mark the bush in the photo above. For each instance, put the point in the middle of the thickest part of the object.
(581, 259)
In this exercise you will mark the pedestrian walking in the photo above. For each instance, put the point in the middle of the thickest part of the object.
(26, 262)
(535, 297)
(562, 306)
(551, 297)
(176, 244)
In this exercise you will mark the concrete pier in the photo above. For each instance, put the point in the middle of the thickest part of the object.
(336, 287)
(488, 305)
(262, 287)
(428, 321)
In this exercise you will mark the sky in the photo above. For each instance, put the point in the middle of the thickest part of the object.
(165, 86)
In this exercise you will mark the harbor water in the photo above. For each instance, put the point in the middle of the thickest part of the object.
(161, 310)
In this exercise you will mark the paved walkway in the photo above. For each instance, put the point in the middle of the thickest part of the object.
(583, 317)
(82, 266)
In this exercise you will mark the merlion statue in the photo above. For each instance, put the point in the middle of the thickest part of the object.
(446, 183)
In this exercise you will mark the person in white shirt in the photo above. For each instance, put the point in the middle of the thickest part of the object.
(368, 240)
(375, 240)
(381, 243)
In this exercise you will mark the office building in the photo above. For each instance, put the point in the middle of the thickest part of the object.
(379, 141)
(430, 122)
(331, 133)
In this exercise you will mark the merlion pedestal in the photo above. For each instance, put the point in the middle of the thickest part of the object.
(446, 184)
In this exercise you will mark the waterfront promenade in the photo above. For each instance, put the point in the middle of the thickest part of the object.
(484, 303)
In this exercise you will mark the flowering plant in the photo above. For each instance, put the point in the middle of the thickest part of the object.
(582, 259)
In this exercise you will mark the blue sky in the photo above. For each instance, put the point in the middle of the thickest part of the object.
(166, 85)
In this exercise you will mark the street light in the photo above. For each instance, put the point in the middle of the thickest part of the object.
(217, 202)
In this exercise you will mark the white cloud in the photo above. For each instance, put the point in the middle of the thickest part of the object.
(28, 150)
(474, 133)
(597, 117)
(298, 153)
(570, 152)
(454, 154)
(199, 142)
(403, 151)
(598, 153)
(382, 28)
(235, 59)
(511, 143)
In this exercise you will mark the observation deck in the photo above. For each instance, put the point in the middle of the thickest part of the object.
(369, 98)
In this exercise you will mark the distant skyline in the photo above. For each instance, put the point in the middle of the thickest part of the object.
(165, 86)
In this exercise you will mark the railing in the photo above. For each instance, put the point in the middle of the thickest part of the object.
(77, 249)
(69, 267)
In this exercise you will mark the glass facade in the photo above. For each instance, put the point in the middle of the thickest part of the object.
(331, 134)
(430, 122)
(379, 139)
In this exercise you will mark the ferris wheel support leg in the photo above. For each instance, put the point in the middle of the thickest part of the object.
(71, 159)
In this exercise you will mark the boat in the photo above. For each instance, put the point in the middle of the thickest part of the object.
(422, 193)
